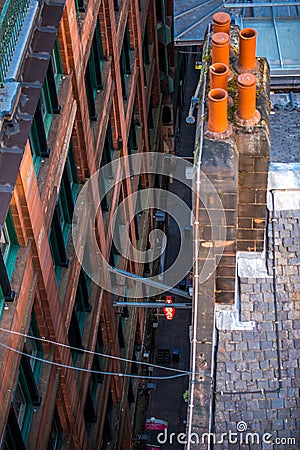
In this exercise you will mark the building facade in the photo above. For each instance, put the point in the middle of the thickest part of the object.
(80, 86)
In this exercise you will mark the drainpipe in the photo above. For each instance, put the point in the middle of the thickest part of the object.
(220, 48)
(217, 111)
(221, 23)
(194, 101)
(247, 47)
(247, 113)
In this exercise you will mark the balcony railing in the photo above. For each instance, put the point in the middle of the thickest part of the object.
(11, 21)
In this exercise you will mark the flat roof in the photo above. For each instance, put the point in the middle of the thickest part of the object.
(278, 29)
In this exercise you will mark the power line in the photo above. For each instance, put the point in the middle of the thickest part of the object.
(91, 352)
(81, 369)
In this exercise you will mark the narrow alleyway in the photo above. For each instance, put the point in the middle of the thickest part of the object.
(167, 401)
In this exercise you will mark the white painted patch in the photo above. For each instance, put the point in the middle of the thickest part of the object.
(252, 265)
(284, 182)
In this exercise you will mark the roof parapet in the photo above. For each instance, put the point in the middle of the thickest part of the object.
(11, 21)
(16, 21)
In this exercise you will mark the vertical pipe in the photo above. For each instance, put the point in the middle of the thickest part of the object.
(218, 75)
(217, 111)
(220, 48)
(246, 96)
(247, 56)
(221, 23)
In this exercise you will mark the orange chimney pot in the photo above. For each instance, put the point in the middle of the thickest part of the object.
(220, 48)
(246, 96)
(247, 56)
(217, 111)
(221, 23)
(218, 75)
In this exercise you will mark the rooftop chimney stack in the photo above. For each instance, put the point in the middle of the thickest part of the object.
(220, 48)
(217, 115)
(221, 23)
(235, 153)
(247, 113)
(218, 75)
(247, 51)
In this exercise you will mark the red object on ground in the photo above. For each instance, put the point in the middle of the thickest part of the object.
(156, 424)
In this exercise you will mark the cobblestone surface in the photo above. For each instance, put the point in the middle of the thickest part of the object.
(248, 388)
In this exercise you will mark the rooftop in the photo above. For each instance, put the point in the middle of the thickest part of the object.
(278, 29)
(285, 124)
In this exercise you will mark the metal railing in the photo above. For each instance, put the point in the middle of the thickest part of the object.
(11, 21)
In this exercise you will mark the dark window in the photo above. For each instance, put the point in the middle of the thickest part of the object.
(125, 61)
(82, 306)
(79, 5)
(121, 334)
(9, 249)
(48, 99)
(93, 74)
(159, 10)
(9, 244)
(150, 117)
(130, 392)
(107, 431)
(13, 438)
(90, 415)
(132, 140)
(99, 362)
(57, 66)
(146, 56)
(24, 398)
(107, 156)
(166, 115)
(62, 217)
(33, 347)
(114, 255)
(56, 433)
(38, 140)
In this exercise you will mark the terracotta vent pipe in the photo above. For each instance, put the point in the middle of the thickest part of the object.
(220, 48)
(218, 75)
(247, 56)
(221, 23)
(217, 111)
(246, 112)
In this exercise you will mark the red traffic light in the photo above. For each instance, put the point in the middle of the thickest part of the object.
(169, 312)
